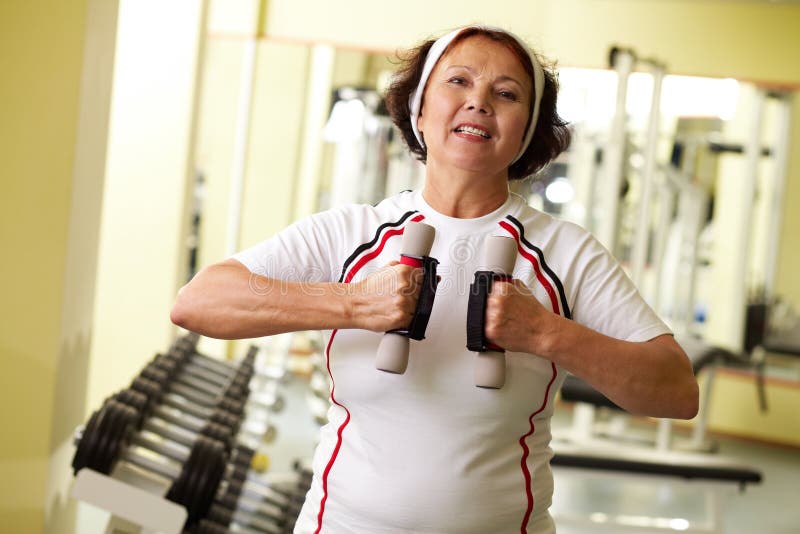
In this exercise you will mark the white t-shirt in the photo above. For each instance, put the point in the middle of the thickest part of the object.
(427, 451)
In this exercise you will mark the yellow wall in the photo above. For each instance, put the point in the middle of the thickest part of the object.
(748, 40)
(272, 164)
(787, 282)
(735, 409)
(41, 63)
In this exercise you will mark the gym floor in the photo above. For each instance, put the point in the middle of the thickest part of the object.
(768, 508)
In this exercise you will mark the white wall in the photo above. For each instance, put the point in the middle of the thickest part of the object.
(141, 256)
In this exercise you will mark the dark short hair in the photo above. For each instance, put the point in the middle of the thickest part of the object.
(551, 136)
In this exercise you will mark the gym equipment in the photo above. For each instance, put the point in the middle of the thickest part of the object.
(260, 505)
(702, 356)
(110, 437)
(180, 404)
(392, 355)
(271, 509)
(227, 412)
(500, 254)
(199, 366)
(173, 450)
(222, 409)
(714, 476)
(181, 428)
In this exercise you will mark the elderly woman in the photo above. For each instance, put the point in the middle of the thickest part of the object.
(427, 451)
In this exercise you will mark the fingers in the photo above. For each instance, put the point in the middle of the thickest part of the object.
(389, 296)
(508, 307)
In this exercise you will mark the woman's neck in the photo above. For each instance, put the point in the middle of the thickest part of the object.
(464, 195)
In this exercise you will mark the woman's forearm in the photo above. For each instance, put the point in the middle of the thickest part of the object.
(653, 378)
(227, 301)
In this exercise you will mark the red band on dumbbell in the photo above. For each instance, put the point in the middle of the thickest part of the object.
(492, 346)
(410, 260)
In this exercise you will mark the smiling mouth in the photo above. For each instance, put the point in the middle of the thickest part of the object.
(474, 131)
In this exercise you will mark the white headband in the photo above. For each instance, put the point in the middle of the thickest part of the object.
(436, 51)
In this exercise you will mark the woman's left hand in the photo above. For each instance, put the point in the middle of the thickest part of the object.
(515, 319)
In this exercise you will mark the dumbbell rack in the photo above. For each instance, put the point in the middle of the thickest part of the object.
(173, 454)
(132, 508)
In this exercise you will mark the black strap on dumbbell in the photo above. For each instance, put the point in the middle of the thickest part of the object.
(422, 313)
(476, 310)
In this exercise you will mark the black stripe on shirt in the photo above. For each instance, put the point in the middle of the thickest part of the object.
(559, 286)
(370, 244)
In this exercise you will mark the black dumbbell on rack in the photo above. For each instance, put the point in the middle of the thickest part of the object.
(259, 403)
(155, 390)
(180, 429)
(110, 437)
(215, 371)
(238, 511)
(266, 394)
(177, 427)
(178, 403)
(195, 389)
(203, 393)
(259, 501)
(116, 433)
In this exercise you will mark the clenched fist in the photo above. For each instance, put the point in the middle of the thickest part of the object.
(516, 320)
(386, 299)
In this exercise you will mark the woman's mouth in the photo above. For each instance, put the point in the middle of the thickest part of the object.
(473, 130)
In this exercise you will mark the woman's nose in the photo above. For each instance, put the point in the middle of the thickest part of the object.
(479, 100)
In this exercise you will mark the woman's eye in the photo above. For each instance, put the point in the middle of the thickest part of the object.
(457, 80)
(508, 95)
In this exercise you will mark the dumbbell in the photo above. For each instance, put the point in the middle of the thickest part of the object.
(254, 421)
(155, 393)
(185, 349)
(207, 526)
(162, 372)
(236, 387)
(500, 254)
(212, 370)
(392, 355)
(239, 511)
(172, 426)
(110, 437)
(175, 426)
(215, 371)
(169, 453)
(181, 423)
(249, 501)
(230, 400)
(209, 382)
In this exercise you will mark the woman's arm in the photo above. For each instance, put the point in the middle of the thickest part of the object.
(227, 301)
(651, 378)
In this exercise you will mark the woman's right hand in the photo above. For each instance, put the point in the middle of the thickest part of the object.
(386, 299)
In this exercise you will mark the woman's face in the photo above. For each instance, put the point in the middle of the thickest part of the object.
(475, 107)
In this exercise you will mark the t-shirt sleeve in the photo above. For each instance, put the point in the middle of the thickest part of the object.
(305, 251)
(605, 299)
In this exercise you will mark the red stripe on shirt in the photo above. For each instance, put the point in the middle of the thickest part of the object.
(363, 261)
(525, 452)
(522, 441)
(366, 258)
(539, 276)
(338, 433)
